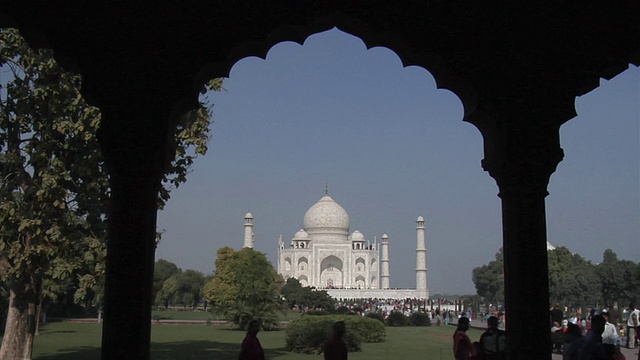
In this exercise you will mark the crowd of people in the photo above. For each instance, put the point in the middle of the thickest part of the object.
(440, 311)
(598, 334)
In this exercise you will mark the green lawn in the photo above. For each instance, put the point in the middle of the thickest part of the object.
(71, 341)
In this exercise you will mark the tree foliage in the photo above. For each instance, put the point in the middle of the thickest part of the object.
(53, 185)
(54, 190)
(489, 279)
(305, 296)
(245, 286)
(573, 281)
(620, 279)
(172, 286)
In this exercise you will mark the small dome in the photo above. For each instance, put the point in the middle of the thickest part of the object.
(248, 215)
(326, 216)
(385, 236)
(301, 235)
(357, 236)
(420, 218)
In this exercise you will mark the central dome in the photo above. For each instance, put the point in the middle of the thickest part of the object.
(326, 216)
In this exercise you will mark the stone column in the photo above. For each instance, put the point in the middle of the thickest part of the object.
(135, 151)
(522, 150)
(384, 262)
(421, 258)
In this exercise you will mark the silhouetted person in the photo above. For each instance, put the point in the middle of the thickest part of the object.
(573, 342)
(592, 348)
(493, 342)
(555, 314)
(335, 348)
(462, 347)
(251, 348)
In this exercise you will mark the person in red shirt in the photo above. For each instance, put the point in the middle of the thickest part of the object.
(251, 348)
(335, 348)
(462, 347)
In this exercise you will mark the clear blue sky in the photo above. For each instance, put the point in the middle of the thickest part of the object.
(391, 147)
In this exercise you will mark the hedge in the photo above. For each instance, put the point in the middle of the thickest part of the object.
(397, 318)
(376, 316)
(419, 319)
(309, 333)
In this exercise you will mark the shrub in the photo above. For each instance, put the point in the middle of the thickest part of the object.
(317, 312)
(341, 310)
(397, 318)
(369, 330)
(419, 319)
(309, 333)
(376, 316)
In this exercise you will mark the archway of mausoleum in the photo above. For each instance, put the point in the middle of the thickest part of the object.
(331, 272)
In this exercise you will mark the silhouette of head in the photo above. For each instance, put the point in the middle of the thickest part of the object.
(254, 327)
(574, 330)
(492, 322)
(463, 323)
(597, 323)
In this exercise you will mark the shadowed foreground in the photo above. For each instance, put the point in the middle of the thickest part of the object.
(82, 341)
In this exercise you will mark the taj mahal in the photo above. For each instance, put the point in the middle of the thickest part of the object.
(325, 255)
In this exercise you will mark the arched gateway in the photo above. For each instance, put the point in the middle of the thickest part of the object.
(517, 67)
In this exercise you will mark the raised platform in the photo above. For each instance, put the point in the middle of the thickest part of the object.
(377, 293)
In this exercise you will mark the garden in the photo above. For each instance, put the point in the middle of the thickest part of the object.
(79, 340)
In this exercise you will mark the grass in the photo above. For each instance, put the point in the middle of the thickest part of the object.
(73, 341)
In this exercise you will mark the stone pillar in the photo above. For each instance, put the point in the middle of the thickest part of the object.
(384, 262)
(248, 231)
(421, 257)
(522, 150)
(135, 151)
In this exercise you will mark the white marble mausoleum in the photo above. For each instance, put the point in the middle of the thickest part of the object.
(325, 255)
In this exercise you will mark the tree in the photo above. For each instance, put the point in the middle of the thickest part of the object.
(572, 279)
(53, 186)
(191, 288)
(162, 270)
(245, 287)
(489, 279)
(53, 193)
(305, 296)
(620, 278)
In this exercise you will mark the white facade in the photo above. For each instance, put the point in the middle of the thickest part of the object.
(323, 254)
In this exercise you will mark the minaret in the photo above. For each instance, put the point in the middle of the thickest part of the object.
(421, 257)
(384, 275)
(248, 231)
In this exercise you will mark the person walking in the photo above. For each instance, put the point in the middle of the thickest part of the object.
(335, 348)
(493, 343)
(610, 333)
(633, 321)
(251, 348)
(462, 347)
